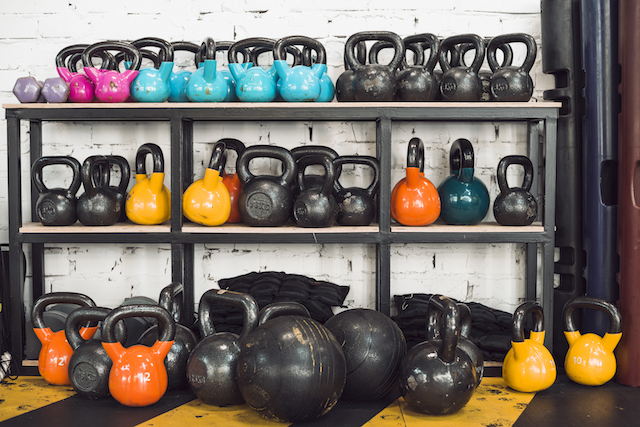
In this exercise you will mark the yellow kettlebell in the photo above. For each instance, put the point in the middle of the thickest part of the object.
(590, 359)
(207, 200)
(528, 366)
(149, 201)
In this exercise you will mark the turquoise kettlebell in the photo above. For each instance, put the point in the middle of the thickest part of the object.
(152, 84)
(179, 79)
(464, 198)
(299, 83)
(206, 84)
(328, 91)
(253, 83)
(224, 46)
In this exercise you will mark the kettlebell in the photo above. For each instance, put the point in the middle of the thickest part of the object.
(265, 200)
(436, 376)
(206, 84)
(417, 83)
(89, 365)
(515, 205)
(528, 365)
(461, 83)
(207, 200)
(232, 181)
(223, 47)
(315, 207)
(356, 205)
(416, 49)
(53, 361)
(171, 299)
(484, 74)
(112, 86)
(80, 87)
(56, 206)
(317, 152)
(285, 357)
(153, 84)
(138, 376)
(344, 84)
(464, 198)
(149, 201)
(261, 49)
(590, 359)
(511, 83)
(327, 89)
(98, 205)
(299, 83)
(253, 83)
(414, 199)
(119, 190)
(180, 77)
(211, 370)
(374, 82)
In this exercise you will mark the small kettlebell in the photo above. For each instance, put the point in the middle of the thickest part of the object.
(315, 207)
(356, 206)
(511, 83)
(180, 78)
(590, 359)
(111, 86)
(98, 205)
(485, 74)
(253, 83)
(461, 83)
(149, 201)
(119, 190)
(299, 83)
(153, 84)
(515, 205)
(206, 84)
(344, 84)
(327, 89)
(56, 206)
(417, 83)
(311, 180)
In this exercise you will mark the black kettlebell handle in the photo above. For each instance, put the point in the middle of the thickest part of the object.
(206, 51)
(156, 154)
(517, 327)
(165, 53)
(426, 40)
(416, 48)
(450, 42)
(290, 169)
(284, 308)
(92, 166)
(360, 55)
(461, 156)
(56, 298)
(433, 322)
(615, 320)
(507, 161)
(370, 161)
(450, 326)
(241, 46)
(186, 46)
(415, 154)
(125, 171)
(166, 324)
(82, 314)
(224, 46)
(245, 302)
(113, 45)
(218, 157)
(279, 46)
(36, 172)
(329, 172)
(171, 299)
(505, 48)
(393, 38)
(233, 145)
(315, 150)
(74, 53)
(291, 50)
(505, 39)
(145, 53)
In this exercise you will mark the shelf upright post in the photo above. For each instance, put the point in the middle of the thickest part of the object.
(37, 249)
(550, 140)
(188, 249)
(383, 250)
(531, 249)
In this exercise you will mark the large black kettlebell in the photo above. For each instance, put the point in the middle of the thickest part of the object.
(119, 190)
(374, 82)
(98, 205)
(266, 200)
(89, 365)
(356, 206)
(437, 377)
(185, 341)
(211, 370)
(315, 207)
(290, 368)
(461, 83)
(417, 83)
(511, 83)
(56, 206)
(515, 205)
(344, 83)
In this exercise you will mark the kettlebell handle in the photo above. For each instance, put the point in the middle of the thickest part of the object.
(416, 48)
(112, 45)
(370, 161)
(279, 46)
(82, 314)
(415, 154)
(242, 45)
(156, 154)
(505, 48)
(433, 321)
(36, 172)
(450, 326)
(74, 53)
(290, 169)
(426, 40)
(450, 42)
(461, 156)
(245, 302)
(360, 55)
(354, 39)
(165, 53)
(284, 308)
(329, 172)
(233, 145)
(206, 51)
(517, 326)
(90, 165)
(507, 161)
(125, 172)
(171, 299)
(505, 39)
(167, 325)
(144, 53)
(218, 157)
(615, 320)
(56, 298)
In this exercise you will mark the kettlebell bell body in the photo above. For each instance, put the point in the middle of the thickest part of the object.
(98, 205)
(461, 83)
(299, 83)
(344, 84)
(511, 83)
(206, 84)
(515, 205)
(417, 83)
(253, 83)
(315, 207)
(180, 78)
(112, 86)
(590, 359)
(149, 201)
(56, 206)
(356, 206)
(119, 190)
(153, 84)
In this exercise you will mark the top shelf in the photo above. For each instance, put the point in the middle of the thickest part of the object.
(282, 111)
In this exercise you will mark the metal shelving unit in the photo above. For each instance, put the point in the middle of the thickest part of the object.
(541, 119)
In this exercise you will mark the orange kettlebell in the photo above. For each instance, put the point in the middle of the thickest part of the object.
(590, 359)
(528, 365)
(232, 181)
(138, 376)
(149, 201)
(414, 199)
(207, 200)
(56, 351)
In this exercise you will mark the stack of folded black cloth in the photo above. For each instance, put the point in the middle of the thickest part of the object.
(271, 286)
(490, 328)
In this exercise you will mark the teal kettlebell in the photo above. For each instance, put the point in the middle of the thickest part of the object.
(253, 83)
(206, 84)
(299, 83)
(180, 79)
(464, 198)
(328, 90)
(153, 84)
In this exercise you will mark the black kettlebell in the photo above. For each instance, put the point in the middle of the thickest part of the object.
(461, 83)
(265, 200)
(511, 83)
(515, 205)
(434, 314)
(211, 370)
(437, 377)
(485, 75)
(185, 341)
(89, 365)
(453, 58)
(374, 82)
(356, 206)
(344, 83)
(311, 180)
(417, 83)
(56, 206)
(98, 205)
(315, 207)
(119, 190)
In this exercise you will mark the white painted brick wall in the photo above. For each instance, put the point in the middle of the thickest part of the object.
(33, 31)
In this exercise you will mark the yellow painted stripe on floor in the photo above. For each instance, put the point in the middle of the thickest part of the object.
(197, 413)
(493, 403)
(28, 393)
